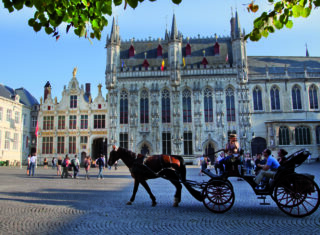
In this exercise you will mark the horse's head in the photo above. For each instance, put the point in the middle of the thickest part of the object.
(114, 155)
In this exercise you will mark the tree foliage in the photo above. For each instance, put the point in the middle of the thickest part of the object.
(87, 17)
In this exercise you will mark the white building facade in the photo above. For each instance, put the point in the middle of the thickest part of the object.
(180, 95)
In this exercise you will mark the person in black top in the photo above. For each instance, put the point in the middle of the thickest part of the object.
(257, 162)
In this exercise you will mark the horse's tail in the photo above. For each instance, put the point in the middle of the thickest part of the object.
(195, 193)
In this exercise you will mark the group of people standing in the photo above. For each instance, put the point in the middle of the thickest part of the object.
(65, 166)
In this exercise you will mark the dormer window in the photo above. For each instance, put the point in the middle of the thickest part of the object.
(145, 64)
(216, 49)
(99, 106)
(159, 51)
(188, 50)
(204, 62)
(73, 101)
(131, 51)
(49, 108)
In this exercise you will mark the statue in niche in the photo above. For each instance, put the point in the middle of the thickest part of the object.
(74, 72)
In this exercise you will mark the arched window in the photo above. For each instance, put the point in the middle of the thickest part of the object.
(257, 99)
(144, 107)
(186, 104)
(296, 98)
(131, 51)
(302, 135)
(313, 97)
(318, 134)
(188, 50)
(216, 49)
(284, 136)
(124, 107)
(159, 51)
(208, 105)
(231, 112)
(165, 106)
(275, 98)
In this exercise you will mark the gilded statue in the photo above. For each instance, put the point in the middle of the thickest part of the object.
(75, 72)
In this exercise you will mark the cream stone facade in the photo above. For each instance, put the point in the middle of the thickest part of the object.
(182, 95)
(17, 109)
(76, 125)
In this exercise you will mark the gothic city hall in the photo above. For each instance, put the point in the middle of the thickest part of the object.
(185, 95)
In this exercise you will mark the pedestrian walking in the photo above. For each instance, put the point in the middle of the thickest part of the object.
(33, 162)
(28, 162)
(76, 166)
(45, 163)
(53, 162)
(65, 164)
(100, 163)
(87, 163)
(59, 163)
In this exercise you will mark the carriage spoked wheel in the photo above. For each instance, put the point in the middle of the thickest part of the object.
(218, 196)
(297, 195)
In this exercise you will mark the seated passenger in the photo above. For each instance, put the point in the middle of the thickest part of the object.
(269, 169)
(282, 156)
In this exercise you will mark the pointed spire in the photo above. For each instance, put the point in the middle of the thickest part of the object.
(237, 26)
(114, 36)
(174, 29)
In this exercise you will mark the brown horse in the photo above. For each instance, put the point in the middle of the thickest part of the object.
(142, 168)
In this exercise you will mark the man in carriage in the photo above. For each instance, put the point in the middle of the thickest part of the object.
(269, 170)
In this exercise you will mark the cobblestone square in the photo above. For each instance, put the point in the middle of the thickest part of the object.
(47, 204)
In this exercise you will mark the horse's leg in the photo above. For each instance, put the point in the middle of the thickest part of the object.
(135, 189)
(146, 186)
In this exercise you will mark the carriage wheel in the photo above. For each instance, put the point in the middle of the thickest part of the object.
(297, 195)
(218, 196)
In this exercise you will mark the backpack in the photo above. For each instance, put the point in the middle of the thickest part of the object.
(73, 163)
(64, 163)
(86, 164)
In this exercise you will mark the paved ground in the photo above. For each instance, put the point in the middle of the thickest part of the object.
(47, 204)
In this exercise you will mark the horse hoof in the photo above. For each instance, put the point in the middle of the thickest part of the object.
(176, 204)
(129, 203)
(154, 203)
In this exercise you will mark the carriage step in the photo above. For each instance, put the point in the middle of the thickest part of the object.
(264, 203)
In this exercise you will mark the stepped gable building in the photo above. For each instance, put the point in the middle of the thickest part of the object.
(18, 120)
(76, 125)
(181, 95)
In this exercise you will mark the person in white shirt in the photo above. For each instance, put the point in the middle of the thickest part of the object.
(33, 162)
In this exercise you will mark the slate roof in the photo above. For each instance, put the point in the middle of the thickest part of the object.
(25, 97)
(276, 64)
(197, 47)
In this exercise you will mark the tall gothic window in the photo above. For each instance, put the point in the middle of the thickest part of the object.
(186, 104)
(275, 98)
(231, 112)
(60, 144)
(302, 135)
(313, 97)
(257, 99)
(47, 145)
(318, 134)
(61, 122)
(284, 136)
(48, 122)
(165, 106)
(84, 122)
(99, 121)
(166, 143)
(208, 105)
(124, 107)
(73, 101)
(72, 122)
(72, 144)
(124, 140)
(296, 98)
(144, 107)
(187, 143)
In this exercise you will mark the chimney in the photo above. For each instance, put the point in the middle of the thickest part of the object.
(46, 90)
(88, 89)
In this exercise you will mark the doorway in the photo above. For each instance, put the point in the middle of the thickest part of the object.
(209, 151)
(99, 146)
(258, 144)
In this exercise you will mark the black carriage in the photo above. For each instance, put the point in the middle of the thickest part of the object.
(295, 194)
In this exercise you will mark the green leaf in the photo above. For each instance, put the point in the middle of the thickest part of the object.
(305, 12)
(297, 10)
(265, 33)
(31, 22)
(95, 24)
(176, 1)
(289, 24)
(133, 4)
(271, 29)
(117, 2)
(36, 27)
(48, 30)
(278, 24)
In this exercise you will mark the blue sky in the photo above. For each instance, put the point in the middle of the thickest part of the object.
(29, 59)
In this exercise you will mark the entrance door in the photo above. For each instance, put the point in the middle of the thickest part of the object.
(145, 150)
(209, 151)
(258, 144)
(83, 157)
(97, 148)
